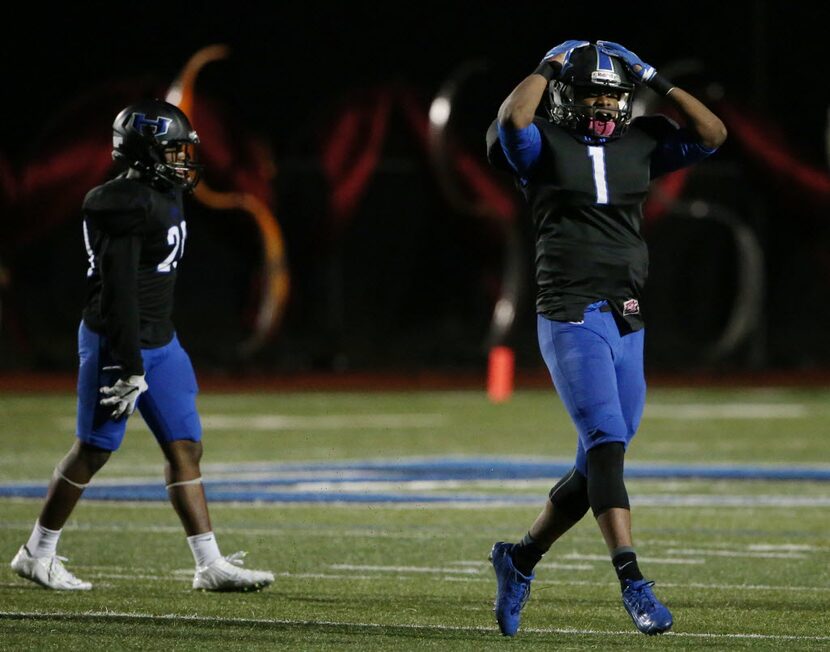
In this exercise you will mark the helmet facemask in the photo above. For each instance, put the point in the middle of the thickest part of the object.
(178, 164)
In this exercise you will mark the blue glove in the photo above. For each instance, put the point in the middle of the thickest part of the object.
(564, 48)
(643, 72)
(549, 68)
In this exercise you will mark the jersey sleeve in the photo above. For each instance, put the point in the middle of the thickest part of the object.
(522, 147)
(676, 147)
(495, 153)
(118, 214)
(119, 300)
(117, 208)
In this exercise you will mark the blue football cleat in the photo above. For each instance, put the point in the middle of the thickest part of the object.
(649, 614)
(513, 589)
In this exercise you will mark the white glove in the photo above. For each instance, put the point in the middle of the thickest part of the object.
(123, 395)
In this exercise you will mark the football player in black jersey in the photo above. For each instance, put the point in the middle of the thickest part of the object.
(134, 231)
(584, 167)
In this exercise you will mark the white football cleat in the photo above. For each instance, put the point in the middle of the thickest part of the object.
(49, 572)
(226, 574)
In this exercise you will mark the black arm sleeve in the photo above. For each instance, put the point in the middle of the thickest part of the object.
(119, 300)
(117, 211)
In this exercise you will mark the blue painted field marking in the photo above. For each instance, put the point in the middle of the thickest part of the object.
(280, 478)
(466, 468)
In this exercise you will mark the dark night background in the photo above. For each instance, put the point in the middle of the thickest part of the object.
(408, 283)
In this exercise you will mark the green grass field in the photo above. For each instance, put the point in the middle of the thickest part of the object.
(742, 563)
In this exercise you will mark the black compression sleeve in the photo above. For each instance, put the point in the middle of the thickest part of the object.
(570, 494)
(119, 300)
(660, 84)
(549, 69)
(606, 486)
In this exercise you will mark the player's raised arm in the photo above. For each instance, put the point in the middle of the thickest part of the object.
(706, 125)
(519, 137)
(519, 107)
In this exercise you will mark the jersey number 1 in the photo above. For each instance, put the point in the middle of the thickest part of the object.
(597, 155)
(176, 235)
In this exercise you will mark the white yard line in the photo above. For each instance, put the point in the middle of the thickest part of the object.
(786, 546)
(320, 422)
(368, 533)
(554, 565)
(735, 553)
(130, 576)
(649, 560)
(539, 584)
(728, 501)
(187, 573)
(406, 569)
(474, 572)
(269, 422)
(691, 411)
(214, 620)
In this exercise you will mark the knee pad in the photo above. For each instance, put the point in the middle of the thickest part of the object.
(606, 488)
(570, 494)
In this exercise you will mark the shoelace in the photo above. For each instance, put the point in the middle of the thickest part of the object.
(236, 558)
(645, 598)
(525, 587)
(58, 570)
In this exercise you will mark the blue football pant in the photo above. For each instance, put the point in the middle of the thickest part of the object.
(598, 374)
(168, 406)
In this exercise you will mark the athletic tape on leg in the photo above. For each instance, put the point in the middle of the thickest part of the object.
(185, 482)
(58, 475)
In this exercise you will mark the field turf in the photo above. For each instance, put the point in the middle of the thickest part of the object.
(376, 512)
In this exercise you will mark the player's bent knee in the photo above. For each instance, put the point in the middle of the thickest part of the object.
(606, 486)
(183, 453)
(91, 457)
(570, 495)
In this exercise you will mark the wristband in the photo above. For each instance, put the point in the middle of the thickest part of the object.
(549, 69)
(660, 84)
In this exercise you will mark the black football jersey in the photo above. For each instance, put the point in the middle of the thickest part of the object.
(134, 236)
(586, 203)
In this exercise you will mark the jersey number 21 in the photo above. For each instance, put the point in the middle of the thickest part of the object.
(176, 235)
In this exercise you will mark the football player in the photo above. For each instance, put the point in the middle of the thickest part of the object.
(135, 233)
(584, 166)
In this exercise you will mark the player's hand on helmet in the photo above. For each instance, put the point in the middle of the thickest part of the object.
(123, 395)
(562, 53)
(641, 71)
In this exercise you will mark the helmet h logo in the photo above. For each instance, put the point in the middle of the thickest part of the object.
(157, 127)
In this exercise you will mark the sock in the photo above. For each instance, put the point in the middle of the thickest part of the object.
(526, 554)
(43, 542)
(625, 563)
(204, 548)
